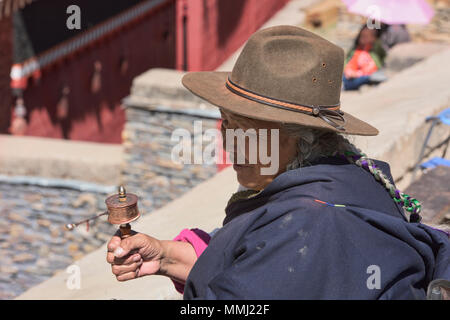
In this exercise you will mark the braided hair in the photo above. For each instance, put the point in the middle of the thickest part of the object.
(315, 143)
(412, 205)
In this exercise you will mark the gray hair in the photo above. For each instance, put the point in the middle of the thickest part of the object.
(316, 143)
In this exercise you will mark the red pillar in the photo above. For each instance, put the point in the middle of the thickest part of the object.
(190, 34)
(209, 31)
(6, 61)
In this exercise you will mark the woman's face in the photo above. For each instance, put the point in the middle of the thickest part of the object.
(250, 173)
(367, 38)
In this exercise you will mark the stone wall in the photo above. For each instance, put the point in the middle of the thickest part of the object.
(33, 243)
(158, 105)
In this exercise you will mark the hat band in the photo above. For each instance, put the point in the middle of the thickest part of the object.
(324, 112)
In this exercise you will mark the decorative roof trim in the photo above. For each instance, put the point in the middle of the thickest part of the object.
(20, 72)
(7, 7)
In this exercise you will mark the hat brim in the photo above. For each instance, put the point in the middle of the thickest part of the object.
(210, 86)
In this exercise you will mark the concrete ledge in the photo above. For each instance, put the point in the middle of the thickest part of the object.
(201, 207)
(162, 89)
(404, 55)
(53, 158)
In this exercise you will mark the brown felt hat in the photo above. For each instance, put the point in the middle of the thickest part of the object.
(283, 74)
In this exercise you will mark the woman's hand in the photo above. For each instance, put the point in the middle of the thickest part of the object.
(136, 256)
(141, 255)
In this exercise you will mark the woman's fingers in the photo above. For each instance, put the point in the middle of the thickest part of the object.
(110, 258)
(123, 269)
(128, 276)
(114, 243)
(130, 244)
(128, 260)
(127, 256)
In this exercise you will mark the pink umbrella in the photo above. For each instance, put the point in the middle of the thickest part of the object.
(393, 11)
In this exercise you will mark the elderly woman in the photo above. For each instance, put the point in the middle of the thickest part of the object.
(328, 224)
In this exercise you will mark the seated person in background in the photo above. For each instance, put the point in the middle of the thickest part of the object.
(364, 60)
(392, 34)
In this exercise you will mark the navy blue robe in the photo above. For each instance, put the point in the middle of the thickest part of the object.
(291, 242)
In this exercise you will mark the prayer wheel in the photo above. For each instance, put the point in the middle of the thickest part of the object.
(122, 209)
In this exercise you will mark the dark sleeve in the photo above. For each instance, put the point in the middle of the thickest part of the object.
(326, 254)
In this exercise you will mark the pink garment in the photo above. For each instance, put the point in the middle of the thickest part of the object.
(393, 12)
(199, 239)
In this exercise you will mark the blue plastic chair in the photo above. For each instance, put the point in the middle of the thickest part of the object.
(441, 118)
(434, 162)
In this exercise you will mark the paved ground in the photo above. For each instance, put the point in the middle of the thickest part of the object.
(433, 191)
(33, 243)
